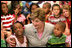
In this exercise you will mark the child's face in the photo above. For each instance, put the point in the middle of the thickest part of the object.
(56, 10)
(19, 9)
(33, 8)
(46, 9)
(57, 30)
(4, 8)
(66, 13)
(18, 29)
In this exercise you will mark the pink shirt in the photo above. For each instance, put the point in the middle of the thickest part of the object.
(21, 18)
(68, 40)
(40, 35)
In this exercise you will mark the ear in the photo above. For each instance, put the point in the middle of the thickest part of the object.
(23, 27)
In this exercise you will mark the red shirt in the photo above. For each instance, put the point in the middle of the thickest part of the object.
(53, 20)
(69, 22)
(7, 21)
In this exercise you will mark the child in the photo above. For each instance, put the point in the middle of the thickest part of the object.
(17, 29)
(33, 6)
(46, 7)
(57, 39)
(67, 14)
(18, 16)
(6, 17)
(56, 17)
(26, 7)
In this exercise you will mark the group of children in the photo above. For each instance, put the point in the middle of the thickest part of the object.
(60, 17)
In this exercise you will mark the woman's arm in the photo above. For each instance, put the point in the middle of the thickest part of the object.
(11, 42)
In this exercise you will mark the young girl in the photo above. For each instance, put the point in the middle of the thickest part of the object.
(18, 16)
(57, 39)
(56, 17)
(67, 15)
(18, 34)
(33, 6)
(6, 17)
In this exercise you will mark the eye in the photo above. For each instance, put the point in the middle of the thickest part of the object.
(20, 27)
(15, 28)
(57, 29)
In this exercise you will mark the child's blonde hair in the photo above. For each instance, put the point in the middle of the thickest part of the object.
(67, 7)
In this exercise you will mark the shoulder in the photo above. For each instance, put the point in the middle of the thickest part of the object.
(64, 36)
(28, 27)
(49, 25)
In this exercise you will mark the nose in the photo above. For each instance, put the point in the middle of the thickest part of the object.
(18, 29)
(56, 10)
(55, 30)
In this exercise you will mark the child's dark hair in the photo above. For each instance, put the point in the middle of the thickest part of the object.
(58, 6)
(15, 23)
(9, 11)
(1, 7)
(48, 5)
(63, 25)
(32, 5)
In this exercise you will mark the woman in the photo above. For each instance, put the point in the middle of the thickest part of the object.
(37, 32)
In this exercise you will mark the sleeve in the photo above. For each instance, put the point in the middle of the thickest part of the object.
(67, 40)
(3, 43)
(23, 17)
(63, 19)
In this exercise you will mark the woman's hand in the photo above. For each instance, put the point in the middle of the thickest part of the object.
(11, 41)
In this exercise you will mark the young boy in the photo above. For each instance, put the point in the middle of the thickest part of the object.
(57, 39)
(46, 7)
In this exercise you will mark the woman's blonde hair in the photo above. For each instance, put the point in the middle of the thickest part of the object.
(38, 13)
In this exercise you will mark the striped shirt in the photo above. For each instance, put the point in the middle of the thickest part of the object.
(7, 21)
(52, 19)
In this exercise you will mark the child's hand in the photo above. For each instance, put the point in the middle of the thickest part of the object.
(16, 11)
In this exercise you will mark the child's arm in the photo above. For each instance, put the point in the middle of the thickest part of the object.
(2, 35)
